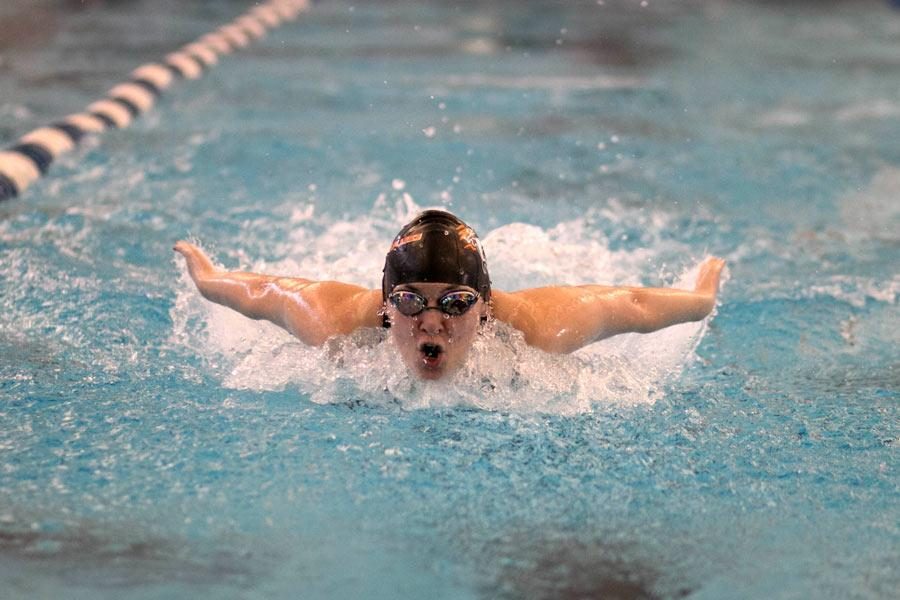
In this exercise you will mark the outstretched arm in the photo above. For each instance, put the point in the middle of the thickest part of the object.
(313, 311)
(566, 318)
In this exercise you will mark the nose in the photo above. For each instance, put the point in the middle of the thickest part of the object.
(431, 322)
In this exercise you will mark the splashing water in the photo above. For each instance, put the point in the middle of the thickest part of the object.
(502, 372)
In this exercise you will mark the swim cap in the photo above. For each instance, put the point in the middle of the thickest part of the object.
(436, 247)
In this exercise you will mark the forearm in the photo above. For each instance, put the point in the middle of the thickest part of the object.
(580, 315)
(650, 309)
(644, 310)
(253, 295)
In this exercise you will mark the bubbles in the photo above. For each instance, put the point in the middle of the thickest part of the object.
(502, 373)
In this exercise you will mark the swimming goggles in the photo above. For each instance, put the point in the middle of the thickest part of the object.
(454, 303)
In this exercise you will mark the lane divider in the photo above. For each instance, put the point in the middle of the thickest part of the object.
(30, 157)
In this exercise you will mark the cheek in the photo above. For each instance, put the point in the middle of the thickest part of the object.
(465, 331)
(406, 351)
(400, 324)
(401, 335)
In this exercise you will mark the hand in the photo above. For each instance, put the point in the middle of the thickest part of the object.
(198, 264)
(708, 278)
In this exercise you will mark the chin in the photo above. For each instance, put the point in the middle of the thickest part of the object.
(444, 370)
(430, 373)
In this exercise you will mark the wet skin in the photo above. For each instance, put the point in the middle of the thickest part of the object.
(432, 344)
(557, 319)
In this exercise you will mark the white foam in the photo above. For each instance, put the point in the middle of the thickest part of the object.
(502, 373)
(855, 291)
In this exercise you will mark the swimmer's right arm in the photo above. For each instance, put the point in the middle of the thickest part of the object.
(313, 311)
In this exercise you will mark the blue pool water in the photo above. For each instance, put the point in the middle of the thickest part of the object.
(155, 446)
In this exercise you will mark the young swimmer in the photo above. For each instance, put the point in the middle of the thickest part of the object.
(436, 293)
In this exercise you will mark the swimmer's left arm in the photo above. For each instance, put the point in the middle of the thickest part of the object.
(565, 318)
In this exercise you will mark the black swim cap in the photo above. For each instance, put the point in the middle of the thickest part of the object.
(436, 247)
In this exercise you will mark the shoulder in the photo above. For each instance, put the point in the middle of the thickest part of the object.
(356, 306)
(507, 305)
(531, 312)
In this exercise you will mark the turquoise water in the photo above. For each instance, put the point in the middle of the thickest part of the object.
(154, 446)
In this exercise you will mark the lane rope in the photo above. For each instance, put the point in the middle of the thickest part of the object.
(31, 156)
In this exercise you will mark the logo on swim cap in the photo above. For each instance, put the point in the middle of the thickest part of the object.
(467, 235)
(437, 247)
(406, 240)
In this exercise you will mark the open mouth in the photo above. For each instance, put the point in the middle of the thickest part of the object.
(432, 354)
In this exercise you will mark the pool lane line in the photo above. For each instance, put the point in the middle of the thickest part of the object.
(31, 156)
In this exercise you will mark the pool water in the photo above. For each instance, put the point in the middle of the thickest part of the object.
(154, 446)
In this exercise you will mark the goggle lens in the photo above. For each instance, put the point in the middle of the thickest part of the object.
(457, 303)
(408, 303)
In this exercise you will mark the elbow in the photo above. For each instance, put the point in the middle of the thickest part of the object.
(309, 336)
(313, 331)
(649, 314)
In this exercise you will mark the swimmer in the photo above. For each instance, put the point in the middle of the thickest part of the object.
(436, 294)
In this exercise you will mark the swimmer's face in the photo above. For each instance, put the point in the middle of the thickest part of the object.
(431, 343)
